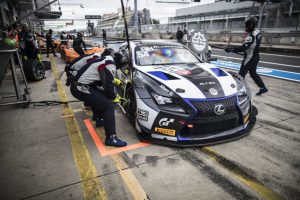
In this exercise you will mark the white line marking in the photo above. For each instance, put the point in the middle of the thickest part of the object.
(264, 62)
(268, 75)
(262, 68)
(268, 54)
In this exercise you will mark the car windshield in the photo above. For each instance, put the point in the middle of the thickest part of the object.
(163, 55)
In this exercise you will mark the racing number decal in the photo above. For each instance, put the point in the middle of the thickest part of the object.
(165, 131)
(143, 114)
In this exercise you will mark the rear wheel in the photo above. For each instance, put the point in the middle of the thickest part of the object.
(131, 106)
(34, 69)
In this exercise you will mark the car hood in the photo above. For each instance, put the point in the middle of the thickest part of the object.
(193, 81)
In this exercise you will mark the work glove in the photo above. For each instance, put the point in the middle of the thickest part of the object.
(228, 50)
(118, 82)
(119, 100)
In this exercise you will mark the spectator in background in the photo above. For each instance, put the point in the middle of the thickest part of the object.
(179, 35)
(185, 34)
(104, 38)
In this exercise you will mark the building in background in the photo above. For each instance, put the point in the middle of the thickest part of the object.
(12, 10)
(230, 16)
(114, 23)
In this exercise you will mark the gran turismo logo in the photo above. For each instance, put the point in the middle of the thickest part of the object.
(220, 109)
(165, 121)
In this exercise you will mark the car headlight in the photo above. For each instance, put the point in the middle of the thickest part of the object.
(242, 91)
(161, 95)
(161, 100)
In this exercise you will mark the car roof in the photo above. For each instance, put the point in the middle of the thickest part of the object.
(155, 42)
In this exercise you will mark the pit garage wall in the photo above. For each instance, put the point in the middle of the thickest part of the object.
(7, 14)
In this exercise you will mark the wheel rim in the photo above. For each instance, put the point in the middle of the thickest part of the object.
(131, 105)
(38, 70)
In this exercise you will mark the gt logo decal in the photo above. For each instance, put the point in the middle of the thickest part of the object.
(165, 121)
(165, 131)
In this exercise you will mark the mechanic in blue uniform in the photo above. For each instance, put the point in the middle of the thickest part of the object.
(251, 54)
(77, 44)
(95, 87)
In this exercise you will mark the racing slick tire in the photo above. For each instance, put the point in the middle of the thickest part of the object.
(34, 69)
(131, 106)
(47, 65)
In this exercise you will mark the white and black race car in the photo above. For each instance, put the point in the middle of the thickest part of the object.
(175, 98)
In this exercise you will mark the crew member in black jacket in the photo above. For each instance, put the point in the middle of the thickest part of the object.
(49, 43)
(77, 44)
(251, 54)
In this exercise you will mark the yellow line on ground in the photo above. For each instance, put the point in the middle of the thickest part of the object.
(128, 177)
(254, 184)
(92, 188)
(132, 183)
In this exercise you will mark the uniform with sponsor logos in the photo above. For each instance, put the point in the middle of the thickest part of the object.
(93, 83)
(251, 54)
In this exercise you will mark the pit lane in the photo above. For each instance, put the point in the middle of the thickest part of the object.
(60, 156)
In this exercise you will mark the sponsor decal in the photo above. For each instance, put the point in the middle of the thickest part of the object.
(142, 114)
(220, 109)
(208, 83)
(246, 118)
(165, 121)
(184, 72)
(213, 91)
(144, 52)
(179, 90)
(165, 131)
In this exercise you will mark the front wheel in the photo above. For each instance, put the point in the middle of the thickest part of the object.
(131, 105)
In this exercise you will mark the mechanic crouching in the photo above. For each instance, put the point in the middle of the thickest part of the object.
(94, 85)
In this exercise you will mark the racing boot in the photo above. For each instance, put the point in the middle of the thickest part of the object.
(262, 90)
(114, 141)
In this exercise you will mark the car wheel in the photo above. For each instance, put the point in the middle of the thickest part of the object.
(131, 106)
(34, 70)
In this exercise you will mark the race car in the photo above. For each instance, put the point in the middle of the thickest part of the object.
(174, 98)
(70, 54)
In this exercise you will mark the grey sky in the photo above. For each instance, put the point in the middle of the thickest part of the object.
(159, 11)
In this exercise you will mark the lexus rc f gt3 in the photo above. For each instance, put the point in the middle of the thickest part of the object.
(175, 98)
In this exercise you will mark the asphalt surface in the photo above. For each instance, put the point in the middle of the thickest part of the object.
(56, 152)
(272, 61)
